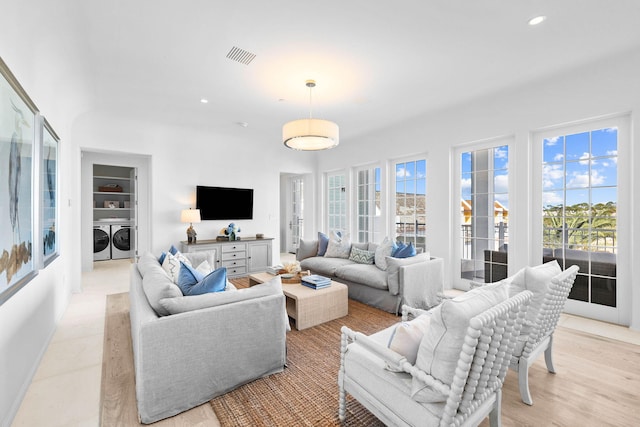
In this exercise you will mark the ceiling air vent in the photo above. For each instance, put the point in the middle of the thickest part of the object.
(240, 55)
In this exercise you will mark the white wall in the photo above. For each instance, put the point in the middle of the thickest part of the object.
(595, 90)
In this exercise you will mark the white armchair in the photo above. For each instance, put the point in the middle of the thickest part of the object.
(537, 337)
(441, 388)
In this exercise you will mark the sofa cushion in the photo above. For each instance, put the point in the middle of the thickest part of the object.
(384, 249)
(324, 266)
(197, 258)
(361, 256)
(407, 251)
(393, 268)
(306, 249)
(171, 265)
(323, 242)
(188, 277)
(182, 304)
(363, 273)
(157, 285)
(535, 279)
(440, 347)
(215, 281)
(407, 336)
(146, 262)
(339, 246)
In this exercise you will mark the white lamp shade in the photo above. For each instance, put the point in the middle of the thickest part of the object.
(310, 134)
(190, 215)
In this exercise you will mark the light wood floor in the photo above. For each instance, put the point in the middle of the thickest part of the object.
(598, 379)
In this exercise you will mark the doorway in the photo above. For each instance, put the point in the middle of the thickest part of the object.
(125, 212)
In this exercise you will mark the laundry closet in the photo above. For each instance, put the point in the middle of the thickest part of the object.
(114, 209)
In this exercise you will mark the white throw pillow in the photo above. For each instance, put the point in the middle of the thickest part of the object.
(407, 336)
(204, 267)
(440, 347)
(339, 247)
(171, 265)
(383, 250)
(535, 279)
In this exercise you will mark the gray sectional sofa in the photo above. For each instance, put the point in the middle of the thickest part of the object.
(417, 281)
(211, 344)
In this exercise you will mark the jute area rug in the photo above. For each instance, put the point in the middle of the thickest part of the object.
(304, 394)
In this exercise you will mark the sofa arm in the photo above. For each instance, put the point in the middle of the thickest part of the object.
(421, 283)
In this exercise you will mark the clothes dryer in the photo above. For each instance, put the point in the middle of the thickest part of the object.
(101, 242)
(120, 241)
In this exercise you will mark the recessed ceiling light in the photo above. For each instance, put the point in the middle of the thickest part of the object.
(243, 124)
(537, 20)
(204, 101)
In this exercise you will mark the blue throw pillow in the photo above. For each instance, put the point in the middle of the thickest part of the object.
(406, 252)
(397, 247)
(323, 242)
(216, 281)
(188, 277)
(173, 250)
(163, 255)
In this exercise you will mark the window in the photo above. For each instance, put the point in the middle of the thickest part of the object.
(369, 227)
(411, 201)
(579, 210)
(337, 202)
(484, 213)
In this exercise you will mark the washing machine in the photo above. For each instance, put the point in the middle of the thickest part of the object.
(101, 242)
(120, 241)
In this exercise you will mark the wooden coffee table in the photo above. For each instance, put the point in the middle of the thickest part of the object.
(310, 307)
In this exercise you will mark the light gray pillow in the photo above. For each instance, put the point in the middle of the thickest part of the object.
(307, 249)
(182, 304)
(157, 285)
(146, 262)
(393, 267)
(339, 247)
(383, 250)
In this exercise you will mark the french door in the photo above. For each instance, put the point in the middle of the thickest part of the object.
(295, 214)
(582, 211)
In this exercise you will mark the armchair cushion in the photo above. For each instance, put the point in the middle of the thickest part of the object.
(535, 279)
(407, 336)
(440, 348)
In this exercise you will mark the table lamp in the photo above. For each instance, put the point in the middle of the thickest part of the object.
(190, 216)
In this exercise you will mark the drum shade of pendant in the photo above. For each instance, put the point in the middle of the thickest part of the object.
(310, 134)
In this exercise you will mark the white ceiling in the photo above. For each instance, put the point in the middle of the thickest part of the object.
(376, 63)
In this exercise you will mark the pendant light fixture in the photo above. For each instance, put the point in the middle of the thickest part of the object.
(310, 134)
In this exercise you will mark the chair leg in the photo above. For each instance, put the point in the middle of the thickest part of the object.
(342, 395)
(523, 382)
(495, 418)
(548, 358)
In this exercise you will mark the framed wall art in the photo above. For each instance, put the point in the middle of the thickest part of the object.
(17, 134)
(49, 193)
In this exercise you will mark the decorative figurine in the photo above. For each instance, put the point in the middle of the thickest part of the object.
(191, 235)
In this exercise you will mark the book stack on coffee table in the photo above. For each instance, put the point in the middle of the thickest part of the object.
(315, 281)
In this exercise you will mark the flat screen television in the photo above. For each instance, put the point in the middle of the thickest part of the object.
(224, 203)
